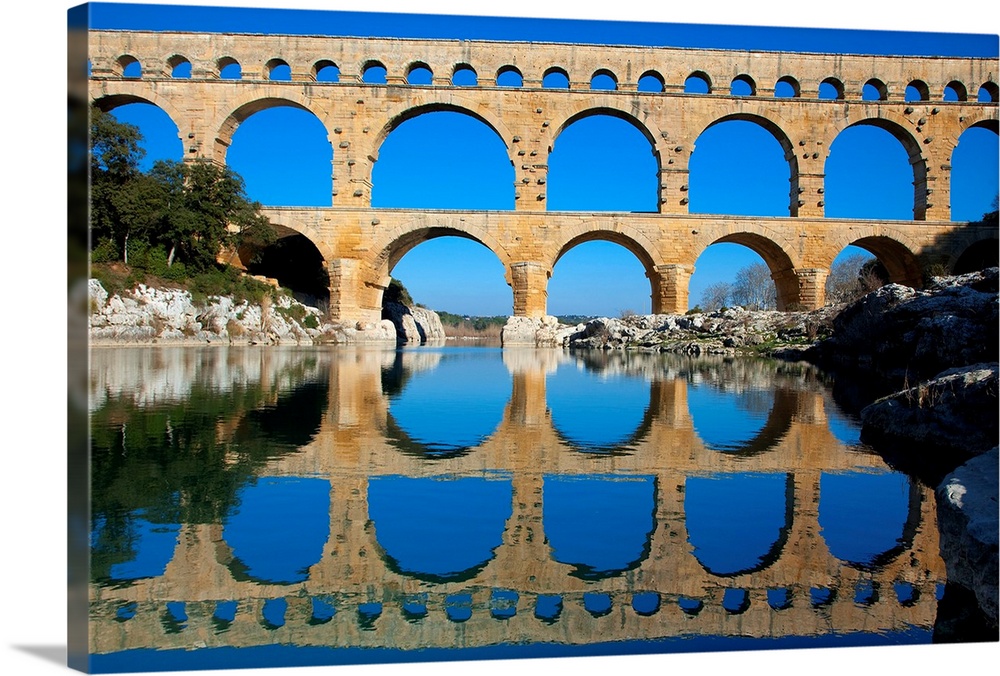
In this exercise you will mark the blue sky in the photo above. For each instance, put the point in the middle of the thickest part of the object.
(284, 155)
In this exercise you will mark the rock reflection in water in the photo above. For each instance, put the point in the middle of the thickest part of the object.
(456, 498)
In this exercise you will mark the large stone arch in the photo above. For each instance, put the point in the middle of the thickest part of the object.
(891, 248)
(262, 98)
(396, 242)
(899, 126)
(613, 106)
(774, 249)
(776, 128)
(109, 101)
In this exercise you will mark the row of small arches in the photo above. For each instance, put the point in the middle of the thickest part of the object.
(419, 73)
(503, 605)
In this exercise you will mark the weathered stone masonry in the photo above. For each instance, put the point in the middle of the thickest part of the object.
(360, 244)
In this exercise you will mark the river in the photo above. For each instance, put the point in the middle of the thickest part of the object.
(307, 506)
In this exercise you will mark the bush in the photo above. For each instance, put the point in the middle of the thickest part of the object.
(104, 252)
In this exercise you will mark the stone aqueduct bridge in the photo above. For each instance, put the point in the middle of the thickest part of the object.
(361, 244)
(353, 446)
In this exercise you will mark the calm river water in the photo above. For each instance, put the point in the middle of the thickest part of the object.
(283, 506)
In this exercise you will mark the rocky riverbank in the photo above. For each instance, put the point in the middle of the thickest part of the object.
(158, 316)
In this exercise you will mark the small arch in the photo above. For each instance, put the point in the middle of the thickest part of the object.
(988, 93)
(373, 72)
(419, 73)
(229, 68)
(278, 70)
(128, 66)
(180, 67)
(651, 81)
(743, 85)
(509, 76)
(901, 264)
(778, 263)
(874, 90)
(787, 87)
(464, 75)
(955, 91)
(698, 82)
(978, 256)
(326, 71)
(604, 80)
(555, 78)
(917, 91)
(831, 89)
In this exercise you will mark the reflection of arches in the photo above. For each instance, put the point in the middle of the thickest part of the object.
(131, 547)
(599, 407)
(727, 546)
(422, 418)
(602, 526)
(293, 421)
(759, 433)
(290, 515)
(439, 529)
(868, 519)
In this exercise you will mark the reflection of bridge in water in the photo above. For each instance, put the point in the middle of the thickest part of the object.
(353, 596)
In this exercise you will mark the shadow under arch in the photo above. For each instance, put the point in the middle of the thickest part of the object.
(979, 255)
(775, 130)
(774, 429)
(721, 530)
(900, 263)
(910, 146)
(780, 264)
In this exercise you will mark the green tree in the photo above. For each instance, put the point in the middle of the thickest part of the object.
(115, 152)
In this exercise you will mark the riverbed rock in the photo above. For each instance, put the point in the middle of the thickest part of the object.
(414, 325)
(954, 413)
(968, 522)
(534, 332)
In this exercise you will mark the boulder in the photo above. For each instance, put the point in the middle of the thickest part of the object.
(414, 325)
(967, 520)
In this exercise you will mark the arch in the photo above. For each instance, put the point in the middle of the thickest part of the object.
(787, 87)
(651, 81)
(756, 419)
(874, 90)
(419, 73)
(788, 200)
(298, 265)
(254, 103)
(464, 75)
(509, 76)
(480, 174)
(728, 547)
(439, 529)
(604, 80)
(885, 121)
(325, 70)
(743, 85)
(167, 143)
(974, 171)
(698, 82)
(988, 92)
(636, 243)
(555, 78)
(277, 70)
(955, 91)
(979, 255)
(831, 88)
(584, 160)
(917, 91)
(229, 68)
(775, 257)
(901, 264)
(180, 67)
(454, 104)
(373, 72)
(128, 66)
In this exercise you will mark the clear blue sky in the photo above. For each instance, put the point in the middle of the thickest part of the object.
(284, 155)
